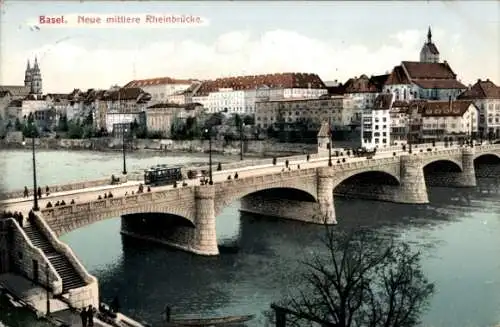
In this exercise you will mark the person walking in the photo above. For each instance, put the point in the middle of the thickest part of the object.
(26, 192)
(39, 191)
(47, 190)
(83, 316)
(90, 315)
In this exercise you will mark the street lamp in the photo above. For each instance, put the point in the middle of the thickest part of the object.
(35, 188)
(330, 142)
(242, 126)
(124, 130)
(207, 132)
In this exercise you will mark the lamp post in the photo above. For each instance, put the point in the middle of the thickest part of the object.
(35, 188)
(124, 130)
(330, 142)
(242, 125)
(207, 131)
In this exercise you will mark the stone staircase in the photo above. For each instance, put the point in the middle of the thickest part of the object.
(71, 279)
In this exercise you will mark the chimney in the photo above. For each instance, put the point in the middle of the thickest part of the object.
(479, 80)
(487, 80)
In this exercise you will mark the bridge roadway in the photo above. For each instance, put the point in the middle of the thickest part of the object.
(91, 194)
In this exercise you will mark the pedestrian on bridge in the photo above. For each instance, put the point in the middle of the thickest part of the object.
(90, 315)
(47, 190)
(83, 316)
(39, 191)
(26, 192)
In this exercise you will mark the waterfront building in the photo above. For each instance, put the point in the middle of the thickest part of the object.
(400, 123)
(240, 94)
(161, 88)
(358, 93)
(457, 119)
(486, 97)
(376, 122)
(160, 116)
(290, 111)
(184, 96)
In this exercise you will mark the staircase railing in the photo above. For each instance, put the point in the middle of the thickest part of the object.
(32, 252)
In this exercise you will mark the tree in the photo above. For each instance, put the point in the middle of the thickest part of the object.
(177, 129)
(18, 126)
(249, 120)
(363, 281)
(62, 124)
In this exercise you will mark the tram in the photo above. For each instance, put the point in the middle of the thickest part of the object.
(162, 175)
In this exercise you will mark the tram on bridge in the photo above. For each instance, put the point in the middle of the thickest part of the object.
(162, 175)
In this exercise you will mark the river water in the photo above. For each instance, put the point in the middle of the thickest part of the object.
(458, 232)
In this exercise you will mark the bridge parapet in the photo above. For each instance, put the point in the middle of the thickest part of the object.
(22, 244)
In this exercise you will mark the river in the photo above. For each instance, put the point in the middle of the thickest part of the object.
(458, 232)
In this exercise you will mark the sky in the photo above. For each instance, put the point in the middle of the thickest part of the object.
(336, 40)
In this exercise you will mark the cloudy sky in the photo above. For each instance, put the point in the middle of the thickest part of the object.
(336, 40)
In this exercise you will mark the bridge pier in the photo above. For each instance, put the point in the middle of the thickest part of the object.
(205, 238)
(467, 178)
(325, 197)
(413, 188)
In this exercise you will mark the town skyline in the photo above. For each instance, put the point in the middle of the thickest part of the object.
(264, 39)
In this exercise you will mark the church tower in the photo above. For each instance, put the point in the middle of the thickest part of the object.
(429, 52)
(27, 76)
(36, 79)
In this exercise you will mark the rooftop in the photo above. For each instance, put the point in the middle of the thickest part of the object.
(284, 80)
(158, 81)
(481, 90)
(446, 108)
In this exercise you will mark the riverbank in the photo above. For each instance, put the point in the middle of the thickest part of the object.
(250, 147)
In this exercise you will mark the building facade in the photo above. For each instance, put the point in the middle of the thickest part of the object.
(240, 94)
(289, 111)
(376, 123)
(486, 97)
(449, 119)
(159, 117)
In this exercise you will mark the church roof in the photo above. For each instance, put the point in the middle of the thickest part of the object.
(397, 76)
(482, 90)
(428, 70)
(158, 81)
(439, 84)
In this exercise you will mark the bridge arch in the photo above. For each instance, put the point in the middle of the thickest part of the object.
(298, 183)
(382, 177)
(442, 165)
(64, 219)
(489, 157)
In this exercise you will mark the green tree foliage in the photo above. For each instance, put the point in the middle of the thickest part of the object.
(178, 129)
(249, 120)
(62, 124)
(213, 120)
(362, 280)
(18, 126)
(75, 129)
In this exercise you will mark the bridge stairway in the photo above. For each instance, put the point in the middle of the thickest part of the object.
(71, 279)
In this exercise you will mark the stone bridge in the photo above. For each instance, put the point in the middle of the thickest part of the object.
(398, 178)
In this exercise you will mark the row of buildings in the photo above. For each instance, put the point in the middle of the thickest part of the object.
(378, 107)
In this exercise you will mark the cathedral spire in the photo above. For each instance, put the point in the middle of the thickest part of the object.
(28, 65)
(36, 63)
(429, 36)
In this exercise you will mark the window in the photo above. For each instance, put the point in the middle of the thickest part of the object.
(384, 134)
(384, 119)
(377, 141)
